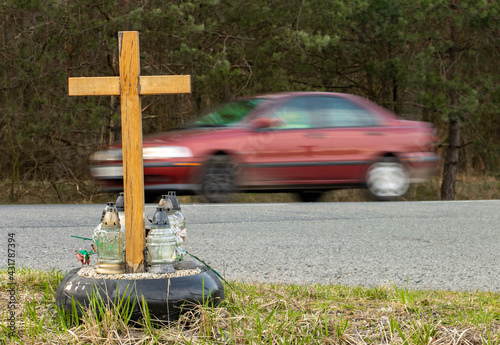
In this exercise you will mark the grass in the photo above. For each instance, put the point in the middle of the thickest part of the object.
(257, 313)
(468, 187)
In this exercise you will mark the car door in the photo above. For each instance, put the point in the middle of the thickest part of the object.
(347, 137)
(287, 156)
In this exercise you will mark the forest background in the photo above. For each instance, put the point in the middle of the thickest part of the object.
(430, 60)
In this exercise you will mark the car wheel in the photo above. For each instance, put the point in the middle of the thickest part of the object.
(310, 196)
(218, 181)
(387, 179)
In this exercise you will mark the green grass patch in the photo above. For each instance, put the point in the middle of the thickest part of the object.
(256, 313)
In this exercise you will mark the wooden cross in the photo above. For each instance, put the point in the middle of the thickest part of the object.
(129, 86)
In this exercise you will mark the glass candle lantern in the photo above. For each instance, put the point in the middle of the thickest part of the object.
(171, 205)
(168, 207)
(120, 206)
(181, 221)
(161, 240)
(109, 237)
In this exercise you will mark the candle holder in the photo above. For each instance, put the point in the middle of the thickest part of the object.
(109, 239)
(172, 207)
(161, 243)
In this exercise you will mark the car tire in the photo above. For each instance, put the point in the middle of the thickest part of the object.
(310, 196)
(387, 179)
(218, 180)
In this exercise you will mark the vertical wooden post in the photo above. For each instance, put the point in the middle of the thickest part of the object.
(133, 174)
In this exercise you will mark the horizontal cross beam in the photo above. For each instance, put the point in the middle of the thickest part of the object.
(148, 85)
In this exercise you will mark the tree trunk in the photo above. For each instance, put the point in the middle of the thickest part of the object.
(451, 162)
(452, 153)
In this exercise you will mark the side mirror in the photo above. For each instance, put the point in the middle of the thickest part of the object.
(265, 122)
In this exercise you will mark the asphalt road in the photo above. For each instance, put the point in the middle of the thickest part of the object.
(422, 245)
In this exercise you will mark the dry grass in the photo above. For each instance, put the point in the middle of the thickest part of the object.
(50, 192)
(256, 313)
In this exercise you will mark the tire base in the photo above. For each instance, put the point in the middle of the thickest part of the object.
(166, 298)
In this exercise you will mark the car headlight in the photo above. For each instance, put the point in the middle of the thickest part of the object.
(159, 152)
(107, 155)
(156, 152)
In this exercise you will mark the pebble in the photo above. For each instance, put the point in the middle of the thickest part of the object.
(89, 272)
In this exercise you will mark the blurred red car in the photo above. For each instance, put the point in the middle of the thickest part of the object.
(304, 142)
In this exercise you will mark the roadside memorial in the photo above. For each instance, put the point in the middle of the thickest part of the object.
(162, 277)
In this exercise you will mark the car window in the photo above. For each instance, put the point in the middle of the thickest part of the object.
(294, 114)
(228, 114)
(340, 112)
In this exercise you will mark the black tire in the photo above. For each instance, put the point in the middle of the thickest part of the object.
(218, 180)
(387, 179)
(310, 196)
(167, 298)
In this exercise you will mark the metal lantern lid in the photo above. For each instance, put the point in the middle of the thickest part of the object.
(111, 220)
(160, 219)
(166, 204)
(109, 206)
(120, 202)
(175, 201)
